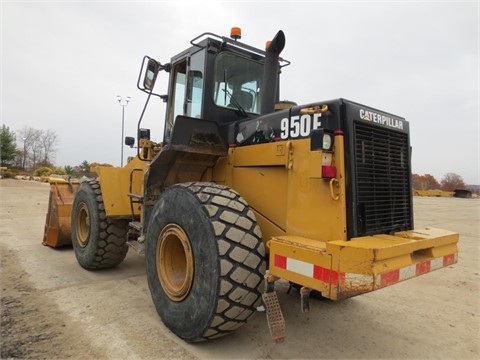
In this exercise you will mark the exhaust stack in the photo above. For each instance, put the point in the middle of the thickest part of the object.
(270, 74)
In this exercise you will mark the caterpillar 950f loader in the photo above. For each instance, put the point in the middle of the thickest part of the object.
(245, 190)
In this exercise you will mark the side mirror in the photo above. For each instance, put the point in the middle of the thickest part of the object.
(129, 141)
(150, 74)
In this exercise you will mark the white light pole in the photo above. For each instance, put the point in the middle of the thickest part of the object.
(123, 103)
(24, 151)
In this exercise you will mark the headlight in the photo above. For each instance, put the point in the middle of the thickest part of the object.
(327, 141)
(321, 140)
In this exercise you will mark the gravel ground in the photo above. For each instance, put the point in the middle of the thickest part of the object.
(51, 308)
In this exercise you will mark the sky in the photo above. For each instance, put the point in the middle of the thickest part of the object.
(63, 63)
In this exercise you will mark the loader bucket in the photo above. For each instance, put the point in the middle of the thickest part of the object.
(57, 222)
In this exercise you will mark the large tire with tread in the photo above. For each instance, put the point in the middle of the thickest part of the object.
(205, 260)
(98, 242)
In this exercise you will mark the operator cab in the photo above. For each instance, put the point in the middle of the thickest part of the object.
(232, 93)
(217, 79)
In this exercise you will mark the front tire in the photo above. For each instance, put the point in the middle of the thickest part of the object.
(98, 242)
(205, 260)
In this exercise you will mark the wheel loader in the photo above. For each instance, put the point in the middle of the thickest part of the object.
(246, 190)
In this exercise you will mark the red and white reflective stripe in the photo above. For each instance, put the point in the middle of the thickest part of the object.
(351, 279)
(411, 271)
(307, 269)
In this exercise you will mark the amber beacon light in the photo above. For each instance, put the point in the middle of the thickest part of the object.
(236, 33)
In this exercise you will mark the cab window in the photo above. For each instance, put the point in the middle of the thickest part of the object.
(195, 85)
(237, 82)
(178, 102)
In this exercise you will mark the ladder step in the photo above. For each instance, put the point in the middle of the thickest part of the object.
(275, 320)
(137, 225)
(137, 246)
(136, 196)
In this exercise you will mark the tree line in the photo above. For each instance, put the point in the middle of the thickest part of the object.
(32, 151)
(31, 148)
(28, 149)
(449, 182)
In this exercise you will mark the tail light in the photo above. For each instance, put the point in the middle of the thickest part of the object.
(323, 140)
(329, 171)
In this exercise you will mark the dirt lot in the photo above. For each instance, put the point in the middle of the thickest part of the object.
(53, 309)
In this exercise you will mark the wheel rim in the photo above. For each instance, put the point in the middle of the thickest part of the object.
(83, 225)
(174, 261)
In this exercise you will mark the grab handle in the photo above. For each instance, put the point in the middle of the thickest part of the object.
(332, 191)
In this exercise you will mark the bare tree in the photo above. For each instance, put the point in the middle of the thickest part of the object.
(49, 141)
(35, 146)
(424, 182)
(452, 181)
(28, 137)
(38, 146)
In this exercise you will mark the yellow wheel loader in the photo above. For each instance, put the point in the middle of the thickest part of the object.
(245, 190)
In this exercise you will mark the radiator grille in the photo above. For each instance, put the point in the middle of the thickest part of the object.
(383, 180)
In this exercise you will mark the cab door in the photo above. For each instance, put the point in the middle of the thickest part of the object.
(186, 89)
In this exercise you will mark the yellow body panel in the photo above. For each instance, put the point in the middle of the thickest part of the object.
(381, 253)
(116, 185)
(289, 190)
(269, 154)
(267, 197)
(303, 221)
(312, 210)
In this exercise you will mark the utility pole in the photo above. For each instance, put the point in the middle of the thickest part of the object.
(24, 151)
(123, 103)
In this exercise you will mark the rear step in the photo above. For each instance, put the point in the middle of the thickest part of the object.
(275, 319)
(137, 246)
(137, 197)
(137, 225)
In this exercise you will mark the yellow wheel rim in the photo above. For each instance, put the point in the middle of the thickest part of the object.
(83, 225)
(174, 261)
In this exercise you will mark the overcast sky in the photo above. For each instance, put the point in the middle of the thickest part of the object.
(64, 62)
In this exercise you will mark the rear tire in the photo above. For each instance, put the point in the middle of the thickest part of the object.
(99, 242)
(205, 260)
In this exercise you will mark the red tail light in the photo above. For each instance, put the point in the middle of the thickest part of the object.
(329, 171)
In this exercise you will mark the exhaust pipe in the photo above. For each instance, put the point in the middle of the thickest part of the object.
(270, 73)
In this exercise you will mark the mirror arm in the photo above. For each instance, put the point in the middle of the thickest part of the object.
(140, 85)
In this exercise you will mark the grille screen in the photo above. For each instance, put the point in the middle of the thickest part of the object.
(383, 180)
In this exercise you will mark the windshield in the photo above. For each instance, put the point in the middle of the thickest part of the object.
(237, 83)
